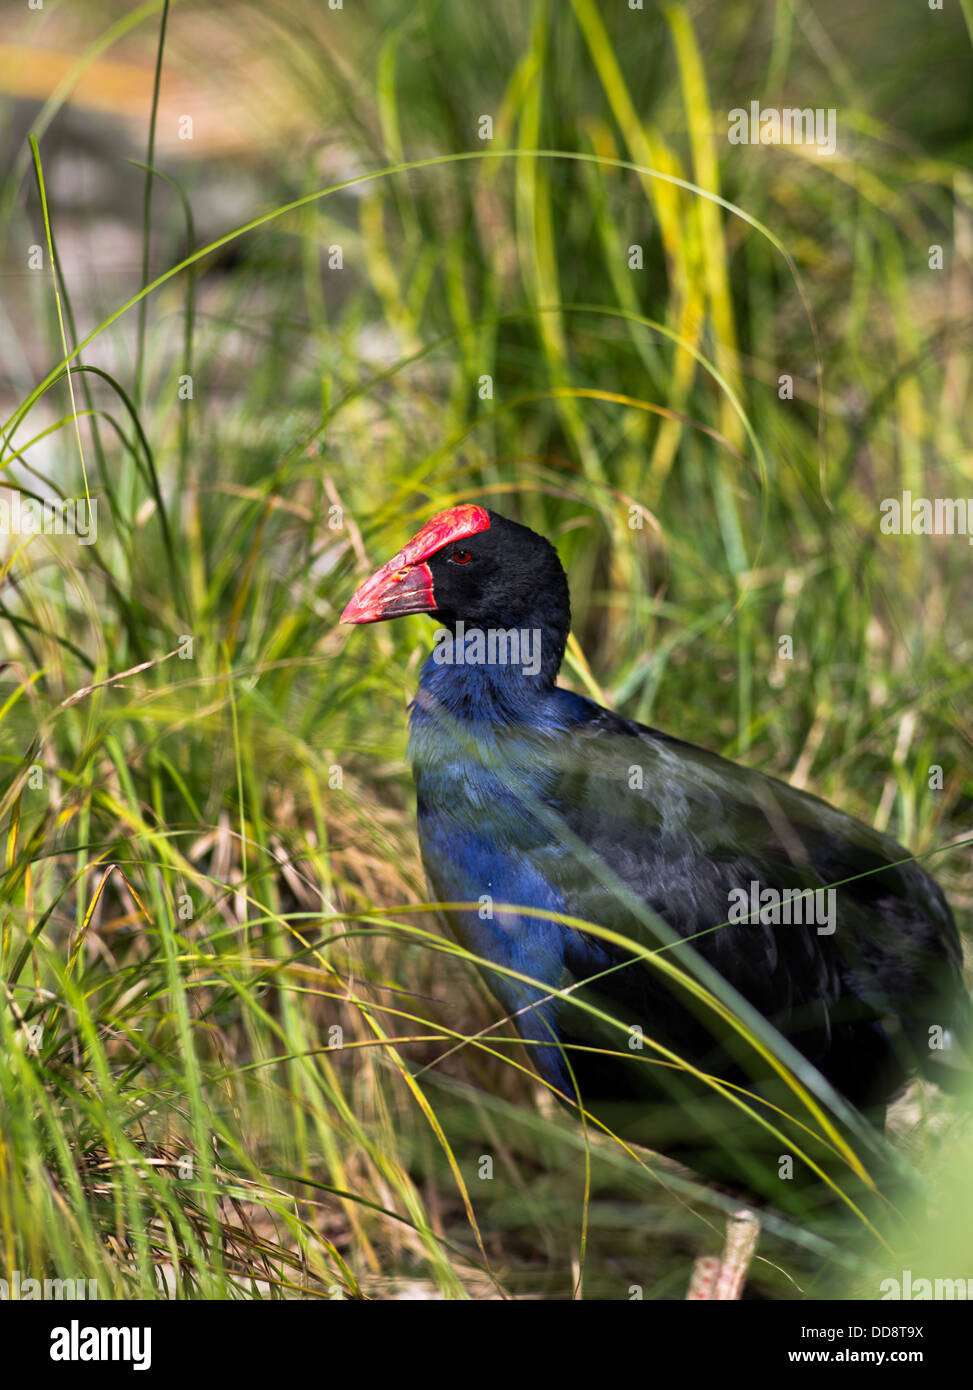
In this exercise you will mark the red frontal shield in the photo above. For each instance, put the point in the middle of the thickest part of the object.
(404, 584)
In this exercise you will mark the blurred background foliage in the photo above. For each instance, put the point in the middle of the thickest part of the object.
(360, 311)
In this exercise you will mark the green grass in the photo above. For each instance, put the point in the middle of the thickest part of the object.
(210, 864)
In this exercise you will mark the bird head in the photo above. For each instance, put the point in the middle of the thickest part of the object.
(472, 565)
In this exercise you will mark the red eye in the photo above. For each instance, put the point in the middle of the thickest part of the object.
(461, 557)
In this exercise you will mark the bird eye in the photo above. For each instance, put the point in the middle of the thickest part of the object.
(461, 557)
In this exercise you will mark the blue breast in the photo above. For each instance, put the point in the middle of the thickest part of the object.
(476, 749)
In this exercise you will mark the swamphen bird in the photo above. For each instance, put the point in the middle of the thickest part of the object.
(698, 870)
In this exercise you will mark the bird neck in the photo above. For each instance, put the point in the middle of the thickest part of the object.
(479, 735)
(498, 676)
(476, 716)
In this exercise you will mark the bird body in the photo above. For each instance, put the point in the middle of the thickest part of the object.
(544, 812)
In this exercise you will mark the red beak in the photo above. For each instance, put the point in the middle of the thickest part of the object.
(393, 591)
(404, 585)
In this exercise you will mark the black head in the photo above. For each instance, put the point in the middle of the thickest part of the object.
(505, 576)
(471, 565)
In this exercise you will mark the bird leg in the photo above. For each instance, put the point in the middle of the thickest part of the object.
(723, 1278)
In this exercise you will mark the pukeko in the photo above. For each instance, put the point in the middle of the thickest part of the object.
(764, 970)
